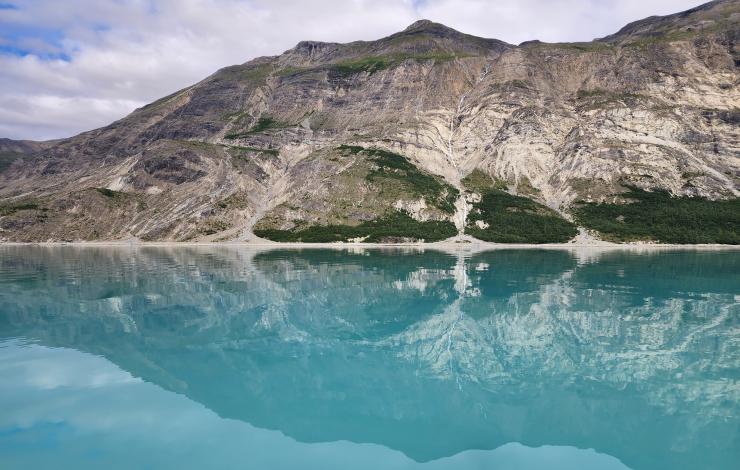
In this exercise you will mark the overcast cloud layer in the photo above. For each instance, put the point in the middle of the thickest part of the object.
(75, 65)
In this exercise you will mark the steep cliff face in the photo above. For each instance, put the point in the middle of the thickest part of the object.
(655, 105)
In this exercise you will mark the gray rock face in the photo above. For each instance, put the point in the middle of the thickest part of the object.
(655, 105)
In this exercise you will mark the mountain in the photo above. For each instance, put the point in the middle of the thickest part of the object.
(12, 150)
(423, 134)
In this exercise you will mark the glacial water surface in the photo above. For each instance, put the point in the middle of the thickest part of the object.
(225, 358)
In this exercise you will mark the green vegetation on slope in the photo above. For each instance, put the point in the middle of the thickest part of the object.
(263, 124)
(479, 182)
(391, 165)
(366, 64)
(372, 64)
(516, 219)
(658, 216)
(272, 152)
(353, 149)
(363, 188)
(643, 42)
(255, 74)
(13, 207)
(109, 192)
(512, 219)
(396, 226)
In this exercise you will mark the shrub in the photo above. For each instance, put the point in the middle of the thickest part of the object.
(396, 225)
(353, 149)
(658, 216)
(108, 192)
(516, 219)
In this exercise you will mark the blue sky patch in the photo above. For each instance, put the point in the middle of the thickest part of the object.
(23, 40)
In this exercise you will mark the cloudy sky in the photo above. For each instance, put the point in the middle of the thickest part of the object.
(73, 65)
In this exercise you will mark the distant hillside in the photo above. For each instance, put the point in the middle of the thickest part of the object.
(11, 150)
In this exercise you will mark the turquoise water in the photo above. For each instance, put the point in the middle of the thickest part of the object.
(194, 358)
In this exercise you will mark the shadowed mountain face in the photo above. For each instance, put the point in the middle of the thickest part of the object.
(654, 106)
(633, 355)
(12, 150)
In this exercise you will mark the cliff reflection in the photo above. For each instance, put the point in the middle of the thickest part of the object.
(430, 353)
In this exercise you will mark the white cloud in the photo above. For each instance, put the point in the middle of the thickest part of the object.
(123, 54)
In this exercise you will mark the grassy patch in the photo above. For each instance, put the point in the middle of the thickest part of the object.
(353, 149)
(237, 118)
(516, 219)
(12, 208)
(658, 216)
(370, 64)
(524, 187)
(263, 124)
(273, 152)
(663, 37)
(439, 56)
(374, 64)
(109, 193)
(394, 166)
(479, 182)
(292, 70)
(255, 74)
(593, 46)
(395, 226)
(587, 46)
(366, 64)
(390, 165)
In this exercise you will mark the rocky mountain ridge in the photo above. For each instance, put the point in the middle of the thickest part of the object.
(262, 146)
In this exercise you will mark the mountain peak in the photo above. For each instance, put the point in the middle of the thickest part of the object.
(419, 24)
(426, 25)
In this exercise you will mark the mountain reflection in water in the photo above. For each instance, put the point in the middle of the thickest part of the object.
(427, 355)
